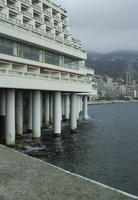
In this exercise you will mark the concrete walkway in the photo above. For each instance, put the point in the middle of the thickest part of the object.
(26, 178)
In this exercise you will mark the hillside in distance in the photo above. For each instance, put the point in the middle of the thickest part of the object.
(113, 64)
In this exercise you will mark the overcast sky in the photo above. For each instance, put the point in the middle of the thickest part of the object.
(104, 25)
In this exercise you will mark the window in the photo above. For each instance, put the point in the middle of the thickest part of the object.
(70, 63)
(29, 52)
(52, 58)
(8, 47)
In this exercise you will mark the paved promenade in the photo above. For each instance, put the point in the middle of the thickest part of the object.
(26, 178)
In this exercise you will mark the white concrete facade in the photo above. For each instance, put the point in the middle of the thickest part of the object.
(39, 56)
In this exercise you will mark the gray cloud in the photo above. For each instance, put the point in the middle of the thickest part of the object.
(104, 25)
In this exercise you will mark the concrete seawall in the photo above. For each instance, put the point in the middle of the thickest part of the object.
(26, 178)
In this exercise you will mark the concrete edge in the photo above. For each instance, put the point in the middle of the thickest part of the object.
(90, 180)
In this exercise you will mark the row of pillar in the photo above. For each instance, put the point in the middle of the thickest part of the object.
(56, 105)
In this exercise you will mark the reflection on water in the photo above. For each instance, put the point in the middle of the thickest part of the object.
(104, 149)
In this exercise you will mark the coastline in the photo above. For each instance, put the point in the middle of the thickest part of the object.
(111, 102)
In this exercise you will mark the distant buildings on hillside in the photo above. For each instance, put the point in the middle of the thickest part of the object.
(108, 88)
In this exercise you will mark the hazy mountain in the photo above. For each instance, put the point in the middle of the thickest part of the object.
(113, 64)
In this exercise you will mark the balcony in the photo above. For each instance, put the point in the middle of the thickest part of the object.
(59, 39)
(13, 7)
(26, 13)
(65, 22)
(66, 31)
(48, 23)
(56, 17)
(67, 42)
(36, 7)
(15, 21)
(26, 2)
(2, 3)
(3, 16)
(38, 30)
(27, 26)
(38, 19)
(49, 35)
(58, 28)
(46, 12)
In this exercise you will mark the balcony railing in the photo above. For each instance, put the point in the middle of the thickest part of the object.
(28, 14)
(15, 8)
(57, 28)
(47, 13)
(36, 7)
(2, 3)
(65, 22)
(26, 2)
(16, 73)
(15, 21)
(38, 19)
(66, 31)
(48, 23)
(59, 39)
(38, 30)
(3, 16)
(49, 35)
(67, 42)
(56, 17)
(28, 26)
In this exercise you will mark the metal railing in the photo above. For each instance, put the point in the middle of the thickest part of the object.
(15, 8)
(51, 77)
(67, 42)
(26, 2)
(47, 13)
(36, 7)
(2, 2)
(39, 31)
(56, 17)
(48, 23)
(14, 20)
(28, 26)
(49, 35)
(57, 28)
(27, 13)
(3, 16)
(59, 39)
(65, 31)
(65, 22)
(38, 19)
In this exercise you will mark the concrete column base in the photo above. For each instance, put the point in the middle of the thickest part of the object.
(2, 127)
(57, 134)
(29, 131)
(72, 131)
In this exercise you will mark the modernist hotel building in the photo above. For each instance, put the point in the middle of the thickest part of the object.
(40, 62)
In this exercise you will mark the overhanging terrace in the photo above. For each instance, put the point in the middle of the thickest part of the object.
(52, 81)
(20, 34)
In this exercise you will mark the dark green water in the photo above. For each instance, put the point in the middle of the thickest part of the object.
(104, 149)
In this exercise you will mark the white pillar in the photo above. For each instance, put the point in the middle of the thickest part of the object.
(57, 113)
(41, 108)
(51, 108)
(73, 118)
(63, 106)
(78, 107)
(81, 104)
(19, 112)
(2, 102)
(10, 117)
(36, 114)
(47, 109)
(85, 108)
(30, 112)
(67, 107)
(2, 112)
